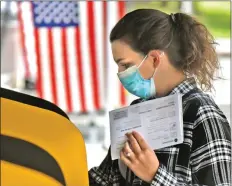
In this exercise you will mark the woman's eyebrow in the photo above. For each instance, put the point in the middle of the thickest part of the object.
(118, 60)
(124, 62)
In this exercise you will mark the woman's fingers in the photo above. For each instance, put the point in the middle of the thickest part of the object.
(127, 155)
(128, 151)
(133, 143)
(133, 147)
(125, 159)
(139, 139)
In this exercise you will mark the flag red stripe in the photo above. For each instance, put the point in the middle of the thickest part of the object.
(22, 41)
(105, 46)
(66, 69)
(38, 64)
(121, 12)
(79, 70)
(121, 9)
(52, 64)
(93, 58)
(39, 80)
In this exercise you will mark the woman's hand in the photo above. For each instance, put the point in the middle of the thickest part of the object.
(139, 157)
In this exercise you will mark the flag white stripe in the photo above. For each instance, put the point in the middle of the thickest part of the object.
(61, 94)
(20, 69)
(113, 82)
(85, 56)
(29, 37)
(72, 57)
(98, 9)
(45, 68)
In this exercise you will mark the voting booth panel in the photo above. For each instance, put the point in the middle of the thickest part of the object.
(39, 144)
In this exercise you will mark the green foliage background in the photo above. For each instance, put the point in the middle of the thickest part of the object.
(214, 14)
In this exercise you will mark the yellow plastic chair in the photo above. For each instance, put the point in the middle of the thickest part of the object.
(39, 144)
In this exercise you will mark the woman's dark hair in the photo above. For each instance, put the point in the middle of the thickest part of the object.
(188, 43)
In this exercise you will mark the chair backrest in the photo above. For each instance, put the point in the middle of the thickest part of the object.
(39, 144)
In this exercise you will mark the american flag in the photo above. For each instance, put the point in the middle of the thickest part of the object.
(65, 43)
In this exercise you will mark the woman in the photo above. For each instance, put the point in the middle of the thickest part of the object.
(158, 55)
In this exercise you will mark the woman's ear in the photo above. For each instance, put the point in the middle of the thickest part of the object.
(155, 57)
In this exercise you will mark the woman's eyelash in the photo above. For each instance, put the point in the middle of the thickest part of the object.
(126, 65)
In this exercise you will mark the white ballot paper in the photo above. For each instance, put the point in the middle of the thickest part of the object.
(158, 121)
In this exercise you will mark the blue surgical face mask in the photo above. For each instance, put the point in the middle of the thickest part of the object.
(134, 83)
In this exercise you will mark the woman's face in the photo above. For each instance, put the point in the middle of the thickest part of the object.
(125, 57)
(166, 76)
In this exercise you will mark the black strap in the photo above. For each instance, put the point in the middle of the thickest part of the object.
(132, 177)
(31, 100)
(26, 154)
(127, 175)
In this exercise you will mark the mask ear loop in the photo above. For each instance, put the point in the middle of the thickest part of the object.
(157, 67)
(145, 59)
(142, 61)
(152, 78)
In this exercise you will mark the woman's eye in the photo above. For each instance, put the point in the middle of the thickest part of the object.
(126, 66)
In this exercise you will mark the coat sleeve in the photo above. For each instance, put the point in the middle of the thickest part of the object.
(106, 174)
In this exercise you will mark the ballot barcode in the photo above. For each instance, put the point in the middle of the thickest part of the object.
(121, 114)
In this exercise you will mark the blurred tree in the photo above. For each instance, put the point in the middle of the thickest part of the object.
(164, 3)
(214, 14)
(196, 9)
(179, 5)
